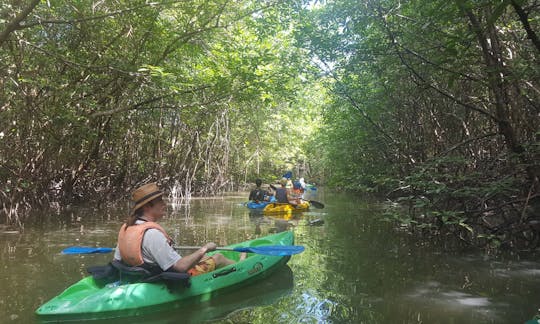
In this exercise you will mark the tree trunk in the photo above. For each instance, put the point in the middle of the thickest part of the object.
(496, 74)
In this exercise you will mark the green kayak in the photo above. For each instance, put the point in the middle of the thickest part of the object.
(92, 298)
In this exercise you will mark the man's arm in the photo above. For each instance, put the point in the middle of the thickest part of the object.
(189, 261)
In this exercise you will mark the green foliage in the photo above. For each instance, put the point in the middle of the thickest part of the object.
(102, 96)
(431, 104)
(424, 110)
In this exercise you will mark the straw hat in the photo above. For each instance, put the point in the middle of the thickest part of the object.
(144, 194)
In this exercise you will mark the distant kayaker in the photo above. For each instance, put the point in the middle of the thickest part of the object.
(143, 242)
(258, 194)
(302, 183)
(283, 194)
(297, 190)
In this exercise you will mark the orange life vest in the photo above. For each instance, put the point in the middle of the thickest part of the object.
(130, 241)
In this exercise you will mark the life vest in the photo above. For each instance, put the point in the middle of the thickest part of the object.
(297, 190)
(130, 240)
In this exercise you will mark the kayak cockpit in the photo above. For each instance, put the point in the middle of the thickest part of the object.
(118, 272)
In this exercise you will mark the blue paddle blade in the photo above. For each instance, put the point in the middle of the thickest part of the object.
(275, 250)
(86, 250)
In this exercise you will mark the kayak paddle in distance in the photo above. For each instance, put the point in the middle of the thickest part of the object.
(316, 204)
(274, 250)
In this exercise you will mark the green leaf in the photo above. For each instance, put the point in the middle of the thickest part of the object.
(498, 11)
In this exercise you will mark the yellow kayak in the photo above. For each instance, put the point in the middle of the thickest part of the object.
(284, 208)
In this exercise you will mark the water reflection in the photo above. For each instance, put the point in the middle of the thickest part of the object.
(456, 304)
(434, 292)
(525, 269)
(314, 309)
(284, 222)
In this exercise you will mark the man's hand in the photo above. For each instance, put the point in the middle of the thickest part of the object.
(211, 246)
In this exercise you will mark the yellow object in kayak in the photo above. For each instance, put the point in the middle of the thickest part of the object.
(277, 208)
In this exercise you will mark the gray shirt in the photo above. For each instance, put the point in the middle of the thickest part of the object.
(155, 249)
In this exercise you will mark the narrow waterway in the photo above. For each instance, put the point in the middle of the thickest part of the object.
(355, 268)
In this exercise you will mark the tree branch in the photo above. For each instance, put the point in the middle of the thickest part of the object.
(524, 18)
(416, 74)
(151, 100)
(16, 22)
(467, 142)
(107, 15)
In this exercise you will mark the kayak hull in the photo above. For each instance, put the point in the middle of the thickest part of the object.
(90, 299)
(261, 204)
(277, 208)
(257, 205)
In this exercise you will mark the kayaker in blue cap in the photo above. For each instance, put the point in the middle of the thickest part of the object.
(143, 242)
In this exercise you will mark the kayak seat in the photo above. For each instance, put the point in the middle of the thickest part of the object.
(123, 269)
(171, 278)
(144, 275)
(105, 273)
(115, 270)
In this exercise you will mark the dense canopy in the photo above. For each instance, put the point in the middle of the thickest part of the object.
(433, 105)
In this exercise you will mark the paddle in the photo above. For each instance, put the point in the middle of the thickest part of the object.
(316, 204)
(86, 250)
(275, 250)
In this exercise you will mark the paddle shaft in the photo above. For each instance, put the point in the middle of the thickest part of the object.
(193, 247)
(267, 250)
(187, 247)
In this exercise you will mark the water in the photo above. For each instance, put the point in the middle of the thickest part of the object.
(355, 269)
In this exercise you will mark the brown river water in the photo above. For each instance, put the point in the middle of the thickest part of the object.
(355, 269)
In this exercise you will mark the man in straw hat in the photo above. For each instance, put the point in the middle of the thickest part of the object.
(143, 242)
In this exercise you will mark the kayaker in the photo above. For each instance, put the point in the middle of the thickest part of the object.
(297, 191)
(283, 195)
(143, 242)
(302, 183)
(258, 194)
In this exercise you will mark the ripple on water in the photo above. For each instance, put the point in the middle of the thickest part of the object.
(453, 301)
(524, 269)
(466, 299)
(437, 294)
(314, 309)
